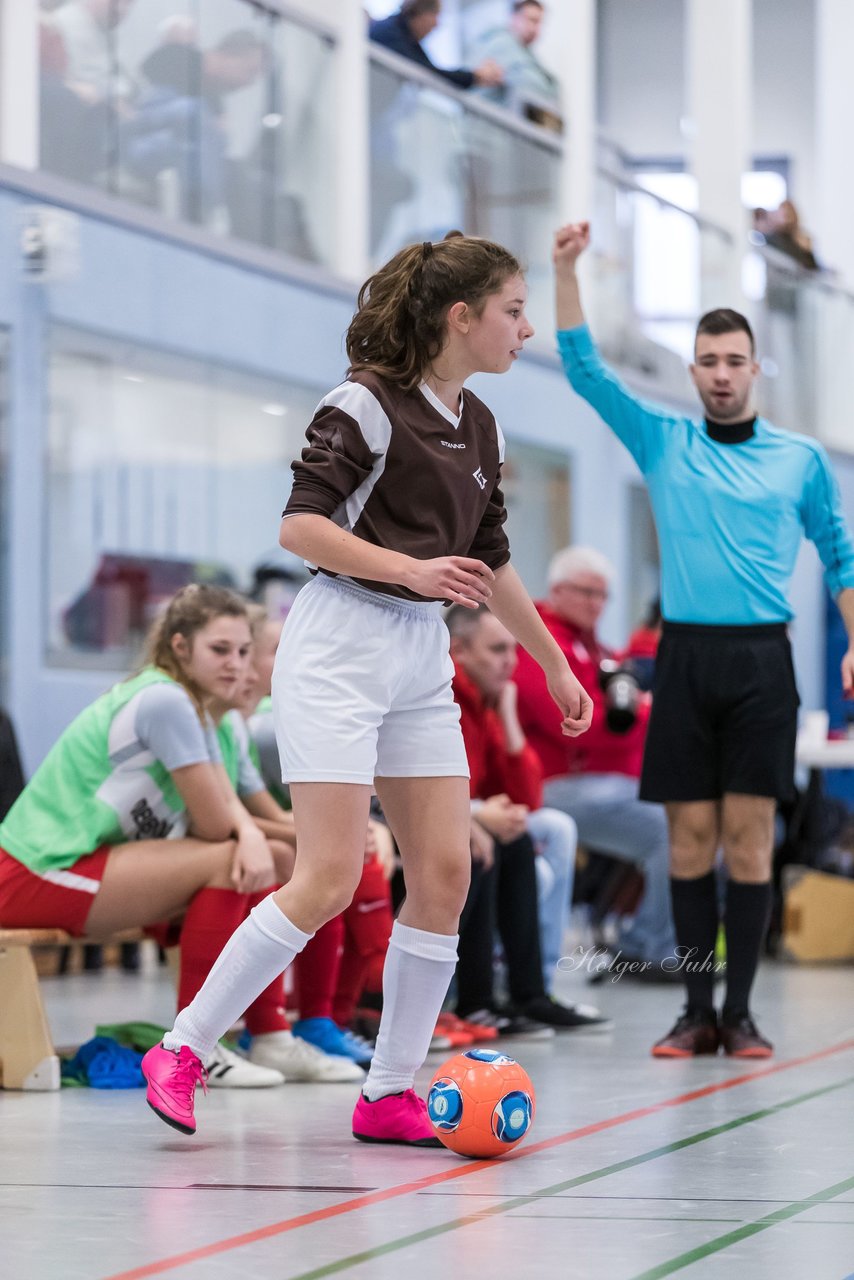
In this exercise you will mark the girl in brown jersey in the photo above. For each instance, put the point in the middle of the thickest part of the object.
(397, 507)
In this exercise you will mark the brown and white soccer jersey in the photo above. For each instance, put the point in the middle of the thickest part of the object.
(362, 682)
(401, 471)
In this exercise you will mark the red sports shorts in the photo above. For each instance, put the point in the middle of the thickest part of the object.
(50, 899)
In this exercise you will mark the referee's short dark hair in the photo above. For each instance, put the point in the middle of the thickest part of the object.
(725, 320)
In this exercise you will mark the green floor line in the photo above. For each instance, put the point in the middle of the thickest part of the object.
(404, 1242)
(744, 1233)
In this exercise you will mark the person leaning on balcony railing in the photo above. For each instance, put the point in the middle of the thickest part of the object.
(403, 32)
(732, 496)
(528, 86)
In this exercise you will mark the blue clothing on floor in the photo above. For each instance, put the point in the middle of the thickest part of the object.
(102, 1063)
(730, 517)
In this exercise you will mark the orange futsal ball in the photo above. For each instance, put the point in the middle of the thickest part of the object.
(481, 1103)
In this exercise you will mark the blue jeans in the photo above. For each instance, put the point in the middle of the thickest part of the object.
(555, 838)
(611, 819)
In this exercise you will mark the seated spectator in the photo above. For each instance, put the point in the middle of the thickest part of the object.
(87, 29)
(139, 765)
(271, 1040)
(260, 719)
(403, 32)
(527, 87)
(11, 772)
(367, 925)
(642, 648)
(505, 789)
(332, 969)
(73, 120)
(178, 123)
(595, 779)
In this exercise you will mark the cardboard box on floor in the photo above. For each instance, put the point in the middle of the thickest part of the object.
(818, 915)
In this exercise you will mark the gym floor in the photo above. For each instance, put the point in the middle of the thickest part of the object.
(635, 1168)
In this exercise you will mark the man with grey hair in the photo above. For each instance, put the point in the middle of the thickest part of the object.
(596, 780)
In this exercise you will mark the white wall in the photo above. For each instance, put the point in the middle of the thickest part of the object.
(641, 74)
(784, 91)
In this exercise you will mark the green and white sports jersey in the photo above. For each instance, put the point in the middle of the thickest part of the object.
(108, 779)
(263, 738)
(236, 746)
(266, 751)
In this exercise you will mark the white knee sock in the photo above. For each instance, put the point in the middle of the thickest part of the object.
(256, 953)
(417, 973)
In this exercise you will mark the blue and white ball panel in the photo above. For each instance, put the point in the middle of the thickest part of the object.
(511, 1118)
(445, 1105)
(486, 1055)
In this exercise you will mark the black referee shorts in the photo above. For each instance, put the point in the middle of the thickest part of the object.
(724, 714)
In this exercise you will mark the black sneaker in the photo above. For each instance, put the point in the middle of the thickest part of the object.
(567, 1017)
(510, 1024)
(740, 1037)
(695, 1032)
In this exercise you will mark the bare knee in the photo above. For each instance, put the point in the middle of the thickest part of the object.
(748, 837)
(694, 838)
(748, 851)
(220, 862)
(436, 890)
(311, 900)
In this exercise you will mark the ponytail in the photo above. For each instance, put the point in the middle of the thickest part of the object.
(399, 325)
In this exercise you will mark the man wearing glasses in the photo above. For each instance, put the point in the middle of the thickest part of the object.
(596, 780)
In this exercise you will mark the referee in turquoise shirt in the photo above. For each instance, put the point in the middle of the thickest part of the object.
(732, 496)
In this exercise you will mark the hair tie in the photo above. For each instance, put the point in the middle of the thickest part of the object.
(426, 250)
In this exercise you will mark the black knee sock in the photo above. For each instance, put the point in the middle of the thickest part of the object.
(748, 907)
(695, 919)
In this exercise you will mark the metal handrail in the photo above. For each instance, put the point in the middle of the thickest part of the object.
(820, 279)
(629, 184)
(410, 71)
(281, 9)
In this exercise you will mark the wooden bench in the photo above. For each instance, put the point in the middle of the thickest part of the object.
(28, 1059)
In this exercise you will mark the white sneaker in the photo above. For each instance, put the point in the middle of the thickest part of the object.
(298, 1060)
(227, 1070)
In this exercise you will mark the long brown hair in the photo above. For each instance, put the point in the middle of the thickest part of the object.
(188, 612)
(399, 325)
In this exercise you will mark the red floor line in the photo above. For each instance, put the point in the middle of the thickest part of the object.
(460, 1171)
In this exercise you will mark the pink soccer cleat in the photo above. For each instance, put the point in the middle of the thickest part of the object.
(399, 1117)
(172, 1076)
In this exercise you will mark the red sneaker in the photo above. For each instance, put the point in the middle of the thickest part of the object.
(172, 1077)
(399, 1118)
(477, 1035)
(455, 1030)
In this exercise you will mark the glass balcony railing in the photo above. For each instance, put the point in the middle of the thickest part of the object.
(442, 159)
(220, 114)
(223, 114)
(805, 336)
(657, 266)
